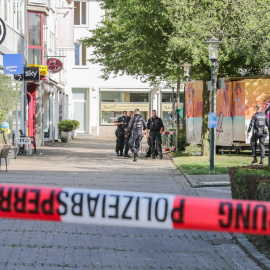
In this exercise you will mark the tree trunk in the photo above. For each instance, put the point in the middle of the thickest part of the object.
(177, 114)
(205, 130)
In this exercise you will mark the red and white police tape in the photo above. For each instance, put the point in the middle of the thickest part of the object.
(118, 208)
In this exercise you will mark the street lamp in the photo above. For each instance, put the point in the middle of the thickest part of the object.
(186, 70)
(213, 56)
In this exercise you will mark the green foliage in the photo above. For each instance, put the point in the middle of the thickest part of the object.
(181, 141)
(9, 97)
(76, 124)
(66, 125)
(250, 183)
(192, 149)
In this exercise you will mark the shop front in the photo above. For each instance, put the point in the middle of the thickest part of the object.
(113, 103)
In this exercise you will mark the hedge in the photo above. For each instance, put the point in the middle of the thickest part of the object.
(252, 183)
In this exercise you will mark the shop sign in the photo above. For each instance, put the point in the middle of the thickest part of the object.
(54, 65)
(30, 74)
(43, 70)
(166, 107)
(3, 31)
(112, 107)
(13, 63)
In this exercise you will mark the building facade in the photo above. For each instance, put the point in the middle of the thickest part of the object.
(97, 103)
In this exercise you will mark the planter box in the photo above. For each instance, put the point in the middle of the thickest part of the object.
(74, 134)
(65, 136)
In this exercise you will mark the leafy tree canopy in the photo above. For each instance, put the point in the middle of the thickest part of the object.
(152, 38)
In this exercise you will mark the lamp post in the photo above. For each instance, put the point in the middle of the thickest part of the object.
(186, 70)
(213, 56)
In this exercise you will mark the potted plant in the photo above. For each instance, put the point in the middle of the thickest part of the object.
(65, 127)
(76, 125)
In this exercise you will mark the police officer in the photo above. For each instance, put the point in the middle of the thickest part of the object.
(126, 122)
(259, 122)
(156, 127)
(120, 134)
(136, 125)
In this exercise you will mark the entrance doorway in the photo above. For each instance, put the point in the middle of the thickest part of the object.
(80, 107)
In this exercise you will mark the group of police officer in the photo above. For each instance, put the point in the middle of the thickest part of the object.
(129, 134)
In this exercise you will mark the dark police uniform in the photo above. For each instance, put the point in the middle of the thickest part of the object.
(126, 122)
(259, 122)
(154, 125)
(120, 136)
(136, 125)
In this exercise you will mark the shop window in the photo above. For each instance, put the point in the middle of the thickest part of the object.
(109, 117)
(168, 97)
(80, 54)
(139, 97)
(79, 13)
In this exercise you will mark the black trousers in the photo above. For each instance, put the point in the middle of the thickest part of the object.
(156, 141)
(253, 142)
(120, 141)
(126, 144)
(135, 142)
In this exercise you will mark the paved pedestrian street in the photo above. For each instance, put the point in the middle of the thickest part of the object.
(89, 162)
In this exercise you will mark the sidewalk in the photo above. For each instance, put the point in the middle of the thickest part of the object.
(91, 163)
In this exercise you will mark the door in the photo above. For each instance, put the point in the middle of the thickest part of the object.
(80, 109)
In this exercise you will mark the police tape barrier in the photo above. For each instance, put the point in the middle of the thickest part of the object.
(149, 210)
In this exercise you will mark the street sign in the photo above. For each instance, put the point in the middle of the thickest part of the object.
(13, 63)
(30, 74)
(43, 70)
(54, 65)
(3, 30)
(212, 120)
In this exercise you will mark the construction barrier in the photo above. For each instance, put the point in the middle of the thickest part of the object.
(168, 139)
(134, 209)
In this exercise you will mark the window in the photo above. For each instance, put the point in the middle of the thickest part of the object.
(35, 38)
(124, 97)
(79, 13)
(18, 13)
(7, 16)
(80, 54)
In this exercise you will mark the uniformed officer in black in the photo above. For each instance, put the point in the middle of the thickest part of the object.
(135, 127)
(156, 127)
(126, 122)
(260, 125)
(120, 134)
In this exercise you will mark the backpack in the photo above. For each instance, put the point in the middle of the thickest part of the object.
(137, 124)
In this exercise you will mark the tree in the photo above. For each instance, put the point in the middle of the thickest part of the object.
(242, 24)
(9, 97)
(152, 38)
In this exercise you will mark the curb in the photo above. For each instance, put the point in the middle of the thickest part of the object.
(259, 258)
(252, 251)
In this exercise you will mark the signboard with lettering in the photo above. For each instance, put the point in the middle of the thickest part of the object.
(43, 70)
(54, 65)
(3, 30)
(13, 63)
(112, 107)
(30, 74)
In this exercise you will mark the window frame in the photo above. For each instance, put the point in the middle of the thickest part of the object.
(40, 47)
(80, 50)
(86, 14)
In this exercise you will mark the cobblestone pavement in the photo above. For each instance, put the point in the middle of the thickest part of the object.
(91, 163)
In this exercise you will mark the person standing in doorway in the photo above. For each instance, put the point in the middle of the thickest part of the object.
(120, 134)
(260, 125)
(154, 130)
(136, 125)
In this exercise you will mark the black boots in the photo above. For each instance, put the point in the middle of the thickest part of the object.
(261, 161)
(135, 157)
(254, 160)
(126, 155)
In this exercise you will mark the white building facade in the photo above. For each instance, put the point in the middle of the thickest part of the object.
(97, 103)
